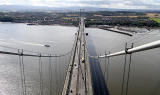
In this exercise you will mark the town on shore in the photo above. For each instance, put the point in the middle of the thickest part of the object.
(100, 19)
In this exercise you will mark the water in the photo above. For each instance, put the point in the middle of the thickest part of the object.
(144, 75)
(33, 38)
(144, 78)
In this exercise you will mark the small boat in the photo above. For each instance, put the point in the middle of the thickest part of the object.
(47, 45)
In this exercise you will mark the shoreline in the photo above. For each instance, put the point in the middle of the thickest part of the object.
(39, 24)
(130, 31)
(114, 29)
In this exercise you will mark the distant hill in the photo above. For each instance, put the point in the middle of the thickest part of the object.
(20, 8)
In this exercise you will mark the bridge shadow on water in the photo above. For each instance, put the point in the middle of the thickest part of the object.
(98, 81)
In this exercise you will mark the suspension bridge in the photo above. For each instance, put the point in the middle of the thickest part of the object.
(78, 72)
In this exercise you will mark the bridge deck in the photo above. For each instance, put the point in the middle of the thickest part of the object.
(78, 81)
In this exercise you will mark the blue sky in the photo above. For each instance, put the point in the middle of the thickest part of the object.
(120, 4)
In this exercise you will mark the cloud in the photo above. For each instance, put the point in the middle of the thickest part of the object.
(120, 4)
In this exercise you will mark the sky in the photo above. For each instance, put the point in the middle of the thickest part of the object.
(117, 4)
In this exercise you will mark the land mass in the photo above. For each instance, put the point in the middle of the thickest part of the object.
(96, 18)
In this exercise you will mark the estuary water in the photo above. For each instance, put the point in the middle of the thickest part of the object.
(32, 40)
(144, 75)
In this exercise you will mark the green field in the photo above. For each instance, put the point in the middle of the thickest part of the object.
(155, 19)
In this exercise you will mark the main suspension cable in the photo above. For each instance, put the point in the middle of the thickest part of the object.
(33, 55)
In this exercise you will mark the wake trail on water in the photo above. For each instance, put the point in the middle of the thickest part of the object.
(13, 41)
